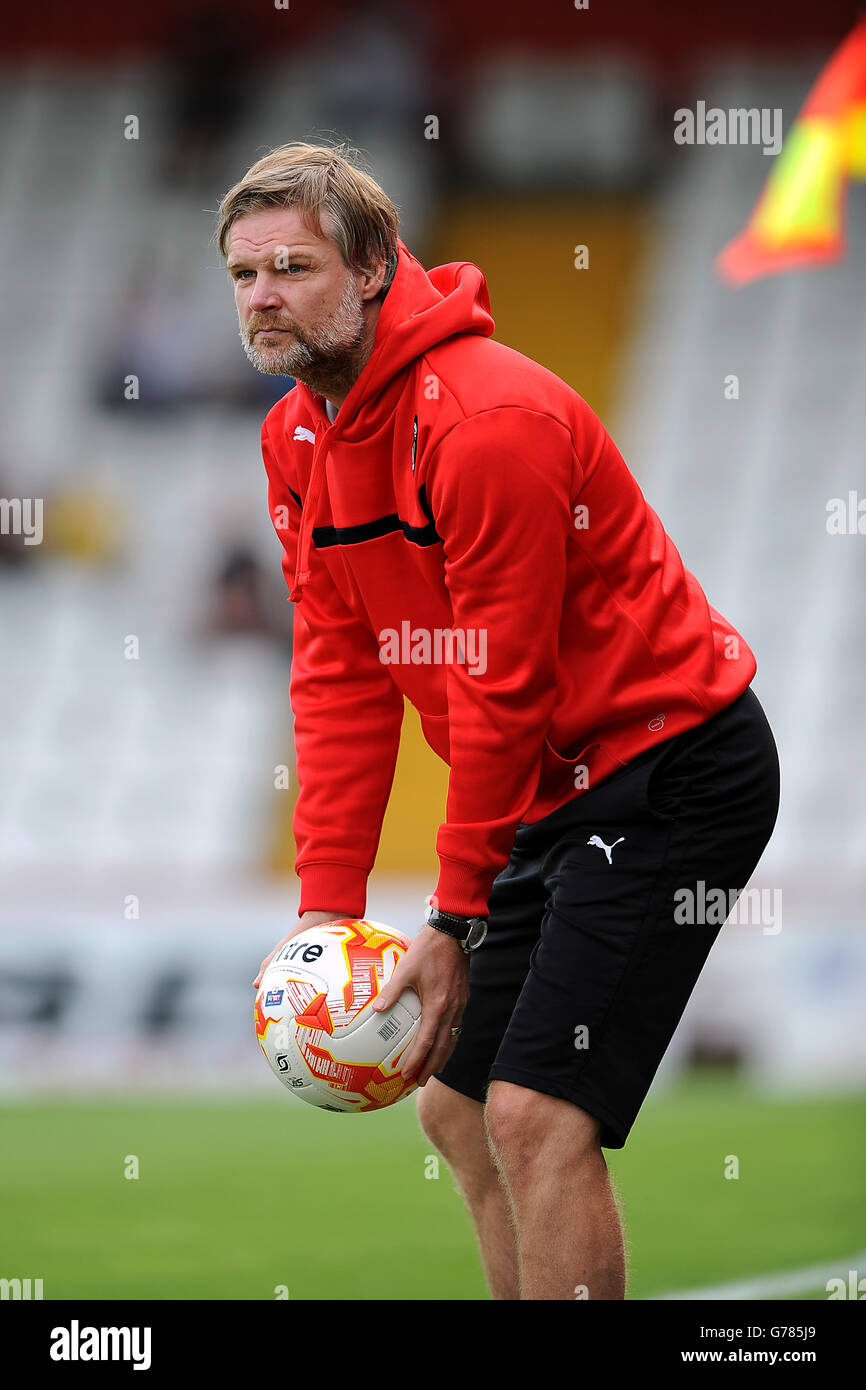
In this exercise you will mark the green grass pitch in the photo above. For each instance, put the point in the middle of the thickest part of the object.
(237, 1198)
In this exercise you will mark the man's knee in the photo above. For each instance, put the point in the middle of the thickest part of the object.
(451, 1121)
(530, 1127)
(454, 1124)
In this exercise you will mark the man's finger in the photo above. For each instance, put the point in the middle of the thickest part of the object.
(262, 968)
(439, 1053)
(422, 1043)
(390, 993)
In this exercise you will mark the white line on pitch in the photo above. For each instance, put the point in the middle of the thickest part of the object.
(775, 1285)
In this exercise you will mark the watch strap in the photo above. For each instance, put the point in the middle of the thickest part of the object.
(469, 931)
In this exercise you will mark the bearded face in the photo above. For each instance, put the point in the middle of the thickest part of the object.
(302, 311)
(326, 347)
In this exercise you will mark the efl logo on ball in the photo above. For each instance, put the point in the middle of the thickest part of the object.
(315, 1025)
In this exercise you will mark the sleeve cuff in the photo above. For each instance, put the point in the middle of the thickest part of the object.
(333, 887)
(463, 889)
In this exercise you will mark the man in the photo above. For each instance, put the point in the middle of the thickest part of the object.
(605, 747)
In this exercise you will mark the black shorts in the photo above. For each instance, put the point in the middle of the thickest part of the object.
(586, 969)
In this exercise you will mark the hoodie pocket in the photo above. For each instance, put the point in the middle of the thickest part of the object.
(611, 786)
(566, 775)
(436, 730)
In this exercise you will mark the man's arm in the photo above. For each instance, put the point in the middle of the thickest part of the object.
(347, 718)
(500, 487)
(348, 714)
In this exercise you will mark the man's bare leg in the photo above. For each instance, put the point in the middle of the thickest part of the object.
(570, 1240)
(454, 1124)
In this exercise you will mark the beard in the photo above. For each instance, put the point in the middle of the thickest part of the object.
(322, 358)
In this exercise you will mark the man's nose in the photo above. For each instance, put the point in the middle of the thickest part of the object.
(265, 293)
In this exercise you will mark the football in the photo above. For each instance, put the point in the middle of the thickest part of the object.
(314, 1020)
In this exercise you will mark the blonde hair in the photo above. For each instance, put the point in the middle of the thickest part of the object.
(316, 179)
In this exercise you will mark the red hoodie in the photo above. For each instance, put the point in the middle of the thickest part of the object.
(463, 489)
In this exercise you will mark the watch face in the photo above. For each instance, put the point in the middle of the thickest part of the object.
(477, 933)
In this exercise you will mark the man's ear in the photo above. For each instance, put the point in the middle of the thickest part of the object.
(373, 282)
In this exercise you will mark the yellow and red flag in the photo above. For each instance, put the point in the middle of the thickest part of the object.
(799, 218)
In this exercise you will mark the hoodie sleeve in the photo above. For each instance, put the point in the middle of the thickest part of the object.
(500, 485)
(347, 718)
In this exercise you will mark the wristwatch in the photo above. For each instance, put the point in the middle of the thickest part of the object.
(469, 931)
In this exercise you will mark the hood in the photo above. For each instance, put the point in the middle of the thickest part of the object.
(421, 308)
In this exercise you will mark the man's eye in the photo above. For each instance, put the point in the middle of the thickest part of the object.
(294, 265)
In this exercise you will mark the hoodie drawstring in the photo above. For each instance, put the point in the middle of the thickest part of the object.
(305, 532)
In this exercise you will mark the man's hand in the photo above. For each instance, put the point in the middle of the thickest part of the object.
(308, 919)
(437, 968)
